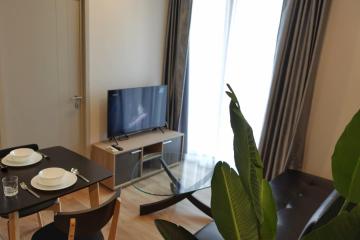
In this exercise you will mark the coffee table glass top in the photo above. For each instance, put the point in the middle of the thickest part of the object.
(172, 174)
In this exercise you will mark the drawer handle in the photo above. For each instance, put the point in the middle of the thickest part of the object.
(136, 151)
(167, 142)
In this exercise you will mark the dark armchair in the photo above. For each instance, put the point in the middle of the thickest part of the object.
(302, 201)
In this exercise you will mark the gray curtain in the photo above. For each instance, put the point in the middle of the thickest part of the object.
(176, 65)
(297, 52)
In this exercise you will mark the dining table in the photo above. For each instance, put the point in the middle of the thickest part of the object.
(57, 156)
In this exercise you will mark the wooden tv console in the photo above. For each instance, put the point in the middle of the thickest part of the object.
(138, 151)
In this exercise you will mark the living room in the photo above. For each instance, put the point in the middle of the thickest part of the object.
(66, 56)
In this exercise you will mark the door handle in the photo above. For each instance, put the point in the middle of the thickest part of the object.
(76, 97)
(136, 151)
(77, 100)
(167, 142)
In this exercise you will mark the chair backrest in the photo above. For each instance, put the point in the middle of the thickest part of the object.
(6, 151)
(87, 222)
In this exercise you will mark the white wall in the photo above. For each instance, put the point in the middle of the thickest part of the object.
(125, 42)
(337, 91)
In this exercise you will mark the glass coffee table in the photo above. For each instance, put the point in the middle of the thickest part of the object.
(176, 176)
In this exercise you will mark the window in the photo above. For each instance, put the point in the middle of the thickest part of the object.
(233, 42)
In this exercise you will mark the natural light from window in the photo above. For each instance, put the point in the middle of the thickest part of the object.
(232, 42)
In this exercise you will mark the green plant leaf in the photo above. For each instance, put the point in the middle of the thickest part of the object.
(346, 161)
(268, 227)
(246, 155)
(171, 231)
(231, 206)
(344, 226)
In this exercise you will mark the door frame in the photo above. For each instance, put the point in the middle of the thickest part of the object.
(84, 92)
(85, 13)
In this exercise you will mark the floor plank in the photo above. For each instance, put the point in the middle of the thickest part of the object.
(131, 225)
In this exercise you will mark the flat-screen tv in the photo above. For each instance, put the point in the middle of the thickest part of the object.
(136, 109)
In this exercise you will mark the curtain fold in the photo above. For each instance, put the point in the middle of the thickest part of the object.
(175, 74)
(297, 52)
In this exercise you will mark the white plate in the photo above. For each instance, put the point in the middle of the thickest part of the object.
(34, 158)
(68, 180)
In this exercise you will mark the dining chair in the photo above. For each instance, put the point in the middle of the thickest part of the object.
(83, 225)
(53, 205)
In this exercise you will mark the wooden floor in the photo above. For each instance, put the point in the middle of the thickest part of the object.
(131, 225)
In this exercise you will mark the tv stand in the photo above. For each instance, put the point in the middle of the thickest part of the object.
(142, 150)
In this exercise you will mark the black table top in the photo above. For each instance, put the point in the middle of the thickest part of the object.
(59, 157)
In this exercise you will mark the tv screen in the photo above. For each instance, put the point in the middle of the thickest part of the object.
(135, 109)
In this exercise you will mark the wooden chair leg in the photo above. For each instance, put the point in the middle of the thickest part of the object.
(39, 219)
(115, 219)
(71, 235)
(13, 226)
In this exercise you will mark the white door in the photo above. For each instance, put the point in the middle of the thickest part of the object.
(40, 73)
